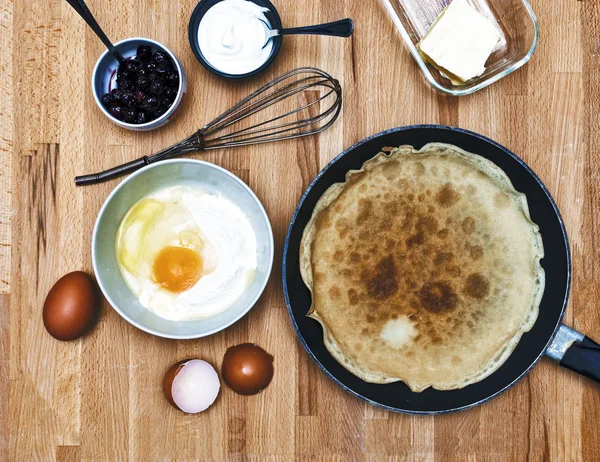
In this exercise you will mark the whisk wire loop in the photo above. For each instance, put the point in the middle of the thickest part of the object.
(314, 100)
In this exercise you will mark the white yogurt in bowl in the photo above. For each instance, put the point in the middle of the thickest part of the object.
(232, 36)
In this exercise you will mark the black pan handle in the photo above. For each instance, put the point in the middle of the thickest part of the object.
(577, 352)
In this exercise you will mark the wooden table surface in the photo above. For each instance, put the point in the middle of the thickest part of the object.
(99, 398)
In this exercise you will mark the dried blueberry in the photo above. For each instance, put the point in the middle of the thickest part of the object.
(151, 103)
(151, 66)
(107, 99)
(123, 74)
(159, 56)
(141, 118)
(155, 76)
(117, 112)
(157, 87)
(143, 82)
(128, 98)
(117, 94)
(163, 66)
(139, 96)
(126, 85)
(173, 77)
(171, 94)
(132, 65)
(129, 114)
(144, 53)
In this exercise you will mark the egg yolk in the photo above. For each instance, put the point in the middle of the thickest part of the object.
(177, 269)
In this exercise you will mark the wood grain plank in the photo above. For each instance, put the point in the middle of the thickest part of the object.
(100, 399)
(5, 421)
(587, 279)
(6, 141)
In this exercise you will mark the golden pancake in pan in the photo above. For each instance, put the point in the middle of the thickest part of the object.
(424, 267)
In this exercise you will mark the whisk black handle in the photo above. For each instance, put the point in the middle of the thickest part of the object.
(88, 17)
(341, 28)
(111, 173)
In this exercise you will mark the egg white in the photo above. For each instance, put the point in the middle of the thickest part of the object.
(213, 226)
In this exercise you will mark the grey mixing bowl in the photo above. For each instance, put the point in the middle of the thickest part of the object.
(145, 181)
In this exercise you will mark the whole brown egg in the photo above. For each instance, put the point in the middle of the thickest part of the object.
(247, 369)
(72, 306)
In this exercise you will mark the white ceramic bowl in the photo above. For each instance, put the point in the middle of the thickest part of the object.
(144, 182)
(104, 73)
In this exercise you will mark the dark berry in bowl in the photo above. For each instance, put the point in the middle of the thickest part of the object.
(117, 112)
(128, 98)
(159, 56)
(155, 76)
(163, 66)
(146, 87)
(173, 78)
(141, 117)
(129, 114)
(144, 53)
(117, 94)
(133, 65)
(151, 103)
(143, 82)
(107, 98)
(157, 87)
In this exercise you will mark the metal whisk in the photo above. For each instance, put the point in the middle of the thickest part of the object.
(317, 104)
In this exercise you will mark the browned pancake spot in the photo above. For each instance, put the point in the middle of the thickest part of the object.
(338, 256)
(447, 196)
(442, 257)
(468, 225)
(391, 208)
(443, 233)
(476, 252)
(418, 168)
(391, 170)
(437, 297)
(352, 296)
(343, 227)
(416, 239)
(501, 200)
(427, 224)
(477, 286)
(335, 292)
(354, 257)
(382, 284)
(365, 207)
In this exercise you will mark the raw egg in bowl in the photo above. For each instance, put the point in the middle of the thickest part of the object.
(182, 249)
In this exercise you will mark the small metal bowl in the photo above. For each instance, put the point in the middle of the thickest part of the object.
(146, 181)
(104, 80)
(272, 15)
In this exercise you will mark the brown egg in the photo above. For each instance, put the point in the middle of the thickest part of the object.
(247, 368)
(72, 306)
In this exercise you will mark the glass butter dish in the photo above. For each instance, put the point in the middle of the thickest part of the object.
(515, 20)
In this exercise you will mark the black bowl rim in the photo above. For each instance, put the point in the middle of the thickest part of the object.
(286, 248)
(193, 39)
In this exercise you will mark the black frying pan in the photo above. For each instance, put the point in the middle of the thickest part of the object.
(548, 336)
